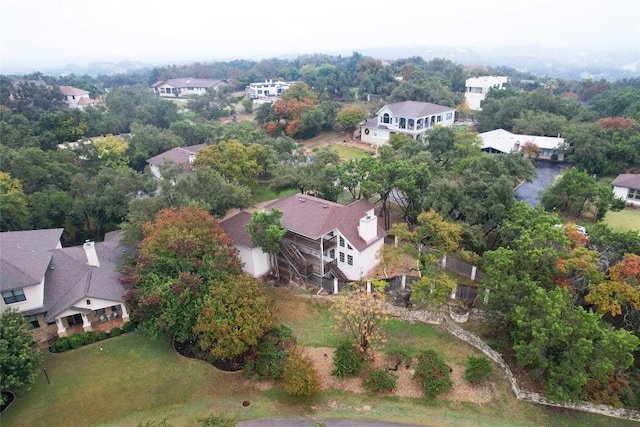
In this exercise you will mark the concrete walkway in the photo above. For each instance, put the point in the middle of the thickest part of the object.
(328, 422)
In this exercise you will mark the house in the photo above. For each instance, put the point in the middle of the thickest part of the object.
(501, 141)
(478, 87)
(411, 118)
(323, 239)
(184, 86)
(76, 98)
(255, 261)
(626, 186)
(61, 291)
(267, 91)
(179, 155)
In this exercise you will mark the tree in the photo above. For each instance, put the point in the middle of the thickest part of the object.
(266, 232)
(236, 313)
(299, 375)
(184, 252)
(14, 213)
(621, 289)
(350, 118)
(236, 162)
(361, 314)
(19, 355)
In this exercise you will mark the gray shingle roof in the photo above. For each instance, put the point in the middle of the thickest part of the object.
(627, 180)
(25, 257)
(179, 155)
(416, 109)
(188, 82)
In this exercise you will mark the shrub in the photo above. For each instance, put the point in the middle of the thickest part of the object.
(101, 335)
(129, 326)
(433, 373)
(267, 361)
(299, 375)
(477, 370)
(216, 420)
(63, 344)
(380, 381)
(89, 337)
(398, 357)
(115, 332)
(76, 341)
(347, 359)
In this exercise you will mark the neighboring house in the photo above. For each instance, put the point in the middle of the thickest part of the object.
(255, 261)
(174, 88)
(627, 187)
(61, 291)
(179, 155)
(267, 91)
(323, 239)
(76, 98)
(411, 118)
(502, 141)
(478, 87)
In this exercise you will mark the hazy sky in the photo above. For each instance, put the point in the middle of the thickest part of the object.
(49, 31)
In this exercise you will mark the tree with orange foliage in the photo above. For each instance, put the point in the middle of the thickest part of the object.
(621, 292)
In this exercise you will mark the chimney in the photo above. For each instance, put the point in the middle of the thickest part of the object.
(368, 228)
(90, 251)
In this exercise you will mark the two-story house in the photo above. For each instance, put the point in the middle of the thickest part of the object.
(179, 155)
(323, 238)
(184, 86)
(478, 87)
(61, 291)
(411, 118)
(267, 91)
(76, 98)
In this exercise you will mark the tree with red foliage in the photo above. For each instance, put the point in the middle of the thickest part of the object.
(616, 123)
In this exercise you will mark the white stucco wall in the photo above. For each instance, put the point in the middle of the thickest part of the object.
(34, 298)
(375, 136)
(623, 193)
(254, 261)
(368, 258)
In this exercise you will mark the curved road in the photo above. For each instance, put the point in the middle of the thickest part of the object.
(328, 422)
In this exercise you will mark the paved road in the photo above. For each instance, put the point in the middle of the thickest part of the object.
(328, 422)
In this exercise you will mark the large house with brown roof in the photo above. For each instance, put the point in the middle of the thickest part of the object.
(411, 118)
(323, 239)
(179, 155)
(61, 291)
(76, 98)
(184, 86)
(626, 186)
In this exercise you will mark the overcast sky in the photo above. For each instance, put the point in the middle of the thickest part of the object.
(49, 31)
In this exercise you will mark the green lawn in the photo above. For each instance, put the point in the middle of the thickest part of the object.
(348, 152)
(625, 220)
(130, 379)
(262, 193)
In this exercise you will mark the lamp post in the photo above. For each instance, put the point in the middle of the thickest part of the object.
(46, 375)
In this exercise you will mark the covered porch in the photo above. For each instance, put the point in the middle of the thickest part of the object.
(79, 320)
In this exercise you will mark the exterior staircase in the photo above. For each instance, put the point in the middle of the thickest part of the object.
(297, 261)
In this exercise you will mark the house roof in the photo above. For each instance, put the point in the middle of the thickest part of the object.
(185, 82)
(25, 257)
(313, 217)
(415, 109)
(234, 226)
(178, 155)
(86, 101)
(486, 81)
(504, 141)
(71, 279)
(627, 180)
(70, 90)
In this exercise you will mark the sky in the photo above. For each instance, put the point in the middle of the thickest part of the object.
(47, 32)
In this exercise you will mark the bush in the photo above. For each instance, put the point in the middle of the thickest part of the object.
(477, 370)
(115, 332)
(63, 344)
(398, 357)
(299, 375)
(129, 326)
(101, 335)
(266, 363)
(433, 373)
(380, 381)
(89, 337)
(347, 359)
(216, 420)
(76, 341)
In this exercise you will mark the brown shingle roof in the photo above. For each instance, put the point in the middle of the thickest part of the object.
(179, 155)
(627, 180)
(234, 226)
(25, 257)
(70, 90)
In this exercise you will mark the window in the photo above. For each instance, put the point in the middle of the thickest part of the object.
(341, 256)
(88, 302)
(332, 253)
(350, 259)
(449, 116)
(633, 194)
(14, 296)
(386, 118)
(342, 241)
(439, 119)
(34, 321)
(349, 246)
(100, 311)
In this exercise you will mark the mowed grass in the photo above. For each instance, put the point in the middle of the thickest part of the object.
(131, 380)
(262, 193)
(347, 152)
(625, 220)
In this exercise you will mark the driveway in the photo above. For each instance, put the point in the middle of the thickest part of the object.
(328, 422)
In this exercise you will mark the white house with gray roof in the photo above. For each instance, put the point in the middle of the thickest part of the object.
(184, 86)
(502, 141)
(61, 291)
(626, 186)
(411, 118)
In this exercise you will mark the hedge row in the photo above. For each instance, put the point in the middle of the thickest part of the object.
(78, 340)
